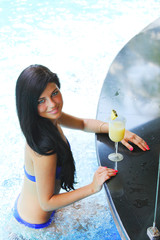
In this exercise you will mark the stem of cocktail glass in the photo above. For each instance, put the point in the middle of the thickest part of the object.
(116, 146)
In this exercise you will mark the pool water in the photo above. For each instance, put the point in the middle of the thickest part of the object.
(78, 40)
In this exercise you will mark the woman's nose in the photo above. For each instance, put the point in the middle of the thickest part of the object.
(51, 103)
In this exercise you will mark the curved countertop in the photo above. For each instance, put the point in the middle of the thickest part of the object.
(132, 88)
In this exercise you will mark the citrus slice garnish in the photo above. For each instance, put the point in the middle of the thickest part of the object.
(114, 115)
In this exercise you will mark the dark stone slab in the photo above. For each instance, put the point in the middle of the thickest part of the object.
(132, 88)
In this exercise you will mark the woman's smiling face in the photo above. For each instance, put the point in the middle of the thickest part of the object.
(50, 102)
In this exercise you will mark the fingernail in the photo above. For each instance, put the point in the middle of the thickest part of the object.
(131, 149)
(116, 170)
(114, 173)
(148, 147)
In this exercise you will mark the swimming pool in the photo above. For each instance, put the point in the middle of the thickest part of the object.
(78, 40)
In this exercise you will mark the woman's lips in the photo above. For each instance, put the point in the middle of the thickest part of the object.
(53, 111)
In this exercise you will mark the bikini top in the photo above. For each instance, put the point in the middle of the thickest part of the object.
(33, 178)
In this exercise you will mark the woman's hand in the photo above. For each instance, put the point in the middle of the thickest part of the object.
(132, 137)
(101, 175)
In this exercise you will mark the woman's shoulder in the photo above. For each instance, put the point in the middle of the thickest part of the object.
(29, 150)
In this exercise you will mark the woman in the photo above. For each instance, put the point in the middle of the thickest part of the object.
(49, 164)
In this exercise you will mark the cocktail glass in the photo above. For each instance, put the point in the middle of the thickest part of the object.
(116, 134)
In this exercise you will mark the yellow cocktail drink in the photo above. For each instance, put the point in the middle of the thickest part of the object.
(116, 131)
(116, 134)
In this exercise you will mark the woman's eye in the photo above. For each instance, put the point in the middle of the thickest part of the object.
(41, 101)
(54, 93)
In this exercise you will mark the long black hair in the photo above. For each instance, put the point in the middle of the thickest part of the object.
(40, 133)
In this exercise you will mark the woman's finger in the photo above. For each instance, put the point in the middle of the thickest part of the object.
(127, 145)
(105, 169)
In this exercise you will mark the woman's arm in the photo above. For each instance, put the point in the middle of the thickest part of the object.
(45, 170)
(87, 125)
(97, 126)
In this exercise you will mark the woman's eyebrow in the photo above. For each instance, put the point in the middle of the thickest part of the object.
(55, 90)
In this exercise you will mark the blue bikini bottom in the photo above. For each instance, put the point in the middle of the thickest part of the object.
(31, 225)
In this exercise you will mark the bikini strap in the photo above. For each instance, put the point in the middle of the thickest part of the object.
(30, 177)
